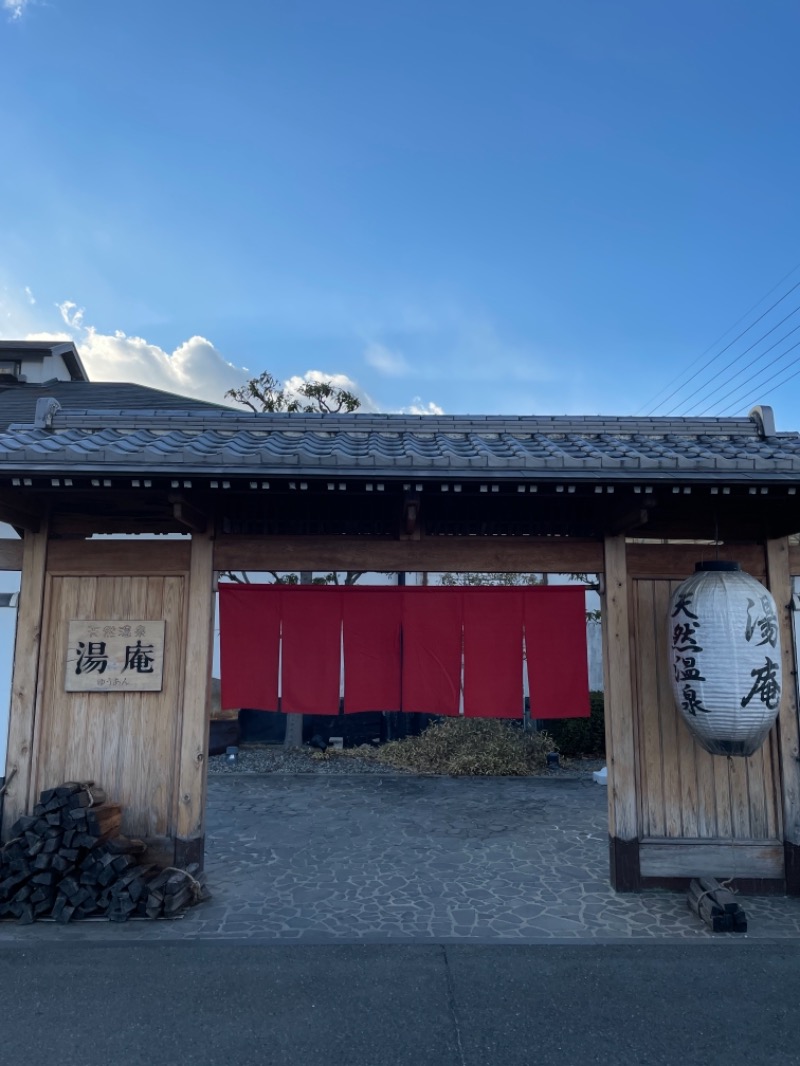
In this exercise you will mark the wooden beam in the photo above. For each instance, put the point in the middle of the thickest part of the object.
(556, 555)
(780, 583)
(99, 557)
(431, 554)
(677, 561)
(623, 822)
(564, 555)
(22, 715)
(187, 515)
(711, 858)
(196, 703)
(11, 552)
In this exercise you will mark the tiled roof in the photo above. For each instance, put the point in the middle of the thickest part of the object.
(224, 441)
(18, 402)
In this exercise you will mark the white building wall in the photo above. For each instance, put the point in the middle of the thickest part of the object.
(38, 370)
(594, 651)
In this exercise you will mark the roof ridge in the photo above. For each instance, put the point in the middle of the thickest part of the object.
(211, 417)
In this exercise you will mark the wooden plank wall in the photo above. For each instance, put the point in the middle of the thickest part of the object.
(125, 741)
(685, 794)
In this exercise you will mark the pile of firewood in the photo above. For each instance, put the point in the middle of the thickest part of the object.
(68, 861)
(716, 905)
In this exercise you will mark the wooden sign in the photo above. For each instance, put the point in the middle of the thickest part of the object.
(115, 656)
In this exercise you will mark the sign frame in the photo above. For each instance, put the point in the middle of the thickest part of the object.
(115, 655)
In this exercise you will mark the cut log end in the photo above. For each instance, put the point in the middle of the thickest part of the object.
(68, 861)
(716, 906)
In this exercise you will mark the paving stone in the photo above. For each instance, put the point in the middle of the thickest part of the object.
(364, 857)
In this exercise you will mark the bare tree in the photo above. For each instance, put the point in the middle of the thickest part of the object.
(265, 393)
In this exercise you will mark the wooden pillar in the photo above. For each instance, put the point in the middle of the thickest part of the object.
(623, 823)
(780, 583)
(193, 748)
(22, 715)
(293, 732)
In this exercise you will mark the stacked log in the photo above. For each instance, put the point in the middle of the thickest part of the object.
(68, 860)
(716, 905)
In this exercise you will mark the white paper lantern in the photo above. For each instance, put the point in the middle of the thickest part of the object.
(725, 658)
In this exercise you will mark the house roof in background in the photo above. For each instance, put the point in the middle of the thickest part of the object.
(37, 350)
(18, 401)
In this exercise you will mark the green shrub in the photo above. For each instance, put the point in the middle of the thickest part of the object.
(581, 736)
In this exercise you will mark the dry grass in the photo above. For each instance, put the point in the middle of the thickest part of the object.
(463, 747)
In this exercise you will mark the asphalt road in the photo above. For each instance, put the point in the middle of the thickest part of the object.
(375, 1005)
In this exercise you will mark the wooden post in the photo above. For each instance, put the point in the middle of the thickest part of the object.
(193, 750)
(293, 733)
(623, 823)
(780, 583)
(22, 715)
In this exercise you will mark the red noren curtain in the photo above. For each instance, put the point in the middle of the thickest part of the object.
(432, 649)
(555, 640)
(311, 650)
(249, 639)
(493, 653)
(371, 628)
(418, 671)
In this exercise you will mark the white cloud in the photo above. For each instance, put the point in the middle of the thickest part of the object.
(417, 407)
(195, 368)
(380, 357)
(71, 314)
(15, 8)
(46, 335)
(339, 381)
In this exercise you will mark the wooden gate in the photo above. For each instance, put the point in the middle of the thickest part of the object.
(129, 742)
(147, 749)
(698, 813)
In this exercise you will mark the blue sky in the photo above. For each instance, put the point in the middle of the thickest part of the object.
(480, 207)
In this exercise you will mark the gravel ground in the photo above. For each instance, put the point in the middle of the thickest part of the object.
(258, 759)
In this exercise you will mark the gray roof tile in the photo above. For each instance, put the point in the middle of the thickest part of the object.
(18, 401)
(195, 440)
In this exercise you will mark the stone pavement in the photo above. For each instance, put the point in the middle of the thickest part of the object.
(364, 858)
